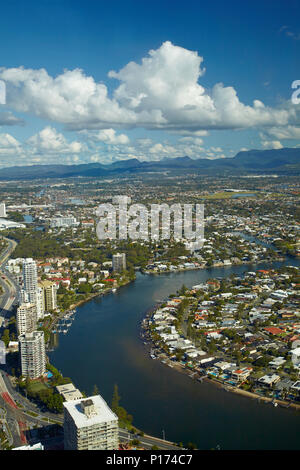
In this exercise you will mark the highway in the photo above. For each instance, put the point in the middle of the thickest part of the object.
(7, 283)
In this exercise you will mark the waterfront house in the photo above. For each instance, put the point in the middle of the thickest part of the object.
(269, 380)
(241, 374)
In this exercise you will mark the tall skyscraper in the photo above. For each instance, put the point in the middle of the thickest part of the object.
(50, 294)
(89, 424)
(31, 292)
(30, 279)
(119, 262)
(32, 354)
(26, 318)
(40, 302)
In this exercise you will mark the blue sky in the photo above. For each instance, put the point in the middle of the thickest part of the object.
(99, 81)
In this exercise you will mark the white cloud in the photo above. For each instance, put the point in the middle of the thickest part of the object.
(287, 31)
(49, 140)
(193, 133)
(288, 132)
(162, 92)
(272, 144)
(162, 149)
(7, 140)
(193, 140)
(71, 98)
(11, 151)
(108, 136)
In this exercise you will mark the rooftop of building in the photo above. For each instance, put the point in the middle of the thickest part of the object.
(101, 411)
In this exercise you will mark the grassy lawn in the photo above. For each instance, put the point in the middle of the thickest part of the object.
(37, 387)
(227, 195)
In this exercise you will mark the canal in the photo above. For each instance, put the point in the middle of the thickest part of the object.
(103, 348)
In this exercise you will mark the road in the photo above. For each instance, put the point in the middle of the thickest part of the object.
(147, 441)
(17, 419)
(8, 284)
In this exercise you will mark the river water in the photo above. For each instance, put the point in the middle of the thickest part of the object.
(103, 348)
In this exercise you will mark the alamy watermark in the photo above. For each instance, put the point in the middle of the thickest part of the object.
(296, 94)
(2, 353)
(183, 222)
(2, 92)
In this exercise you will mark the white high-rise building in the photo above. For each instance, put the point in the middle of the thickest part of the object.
(30, 278)
(23, 297)
(40, 302)
(26, 318)
(89, 424)
(32, 354)
(119, 262)
(2, 210)
(31, 292)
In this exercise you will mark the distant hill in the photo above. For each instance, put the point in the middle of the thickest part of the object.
(282, 161)
(268, 158)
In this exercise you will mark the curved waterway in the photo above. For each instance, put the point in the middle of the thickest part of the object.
(103, 347)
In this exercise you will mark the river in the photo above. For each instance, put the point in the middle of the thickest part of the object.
(103, 348)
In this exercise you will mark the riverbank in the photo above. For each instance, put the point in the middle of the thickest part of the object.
(282, 403)
(160, 350)
(215, 265)
(228, 388)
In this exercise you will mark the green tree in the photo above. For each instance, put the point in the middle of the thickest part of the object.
(191, 445)
(115, 399)
(5, 337)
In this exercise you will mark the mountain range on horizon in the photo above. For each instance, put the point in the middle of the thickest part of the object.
(282, 161)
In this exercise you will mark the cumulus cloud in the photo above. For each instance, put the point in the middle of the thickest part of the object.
(49, 140)
(161, 92)
(193, 140)
(282, 133)
(71, 98)
(272, 144)
(8, 144)
(162, 149)
(11, 151)
(108, 136)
